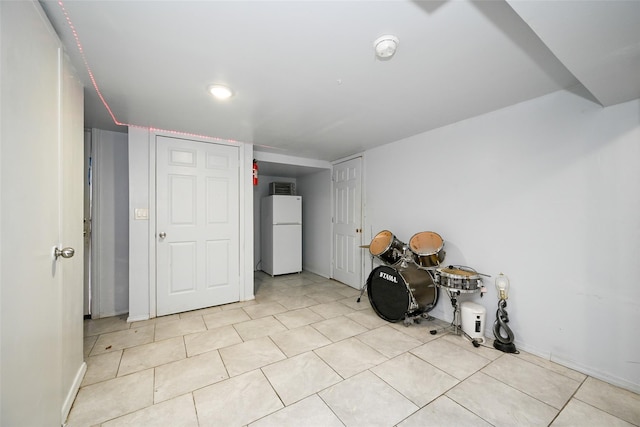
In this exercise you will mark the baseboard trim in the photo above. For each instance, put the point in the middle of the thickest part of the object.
(73, 391)
(596, 373)
(137, 318)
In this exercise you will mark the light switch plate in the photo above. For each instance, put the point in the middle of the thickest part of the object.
(141, 213)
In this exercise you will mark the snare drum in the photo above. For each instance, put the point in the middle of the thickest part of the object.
(427, 247)
(458, 279)
(387, 247)
(396, 293)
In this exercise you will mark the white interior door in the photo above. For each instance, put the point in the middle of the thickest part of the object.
(71, 232)
(41, 304)
(31, 370)
(347, 222)
(197, 225)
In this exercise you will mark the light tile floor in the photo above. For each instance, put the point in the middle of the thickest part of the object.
(305, 353)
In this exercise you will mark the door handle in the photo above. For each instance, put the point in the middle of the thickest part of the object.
(64, 253)
(162, 235)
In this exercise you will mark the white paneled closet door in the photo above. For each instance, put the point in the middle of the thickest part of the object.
(197, 225)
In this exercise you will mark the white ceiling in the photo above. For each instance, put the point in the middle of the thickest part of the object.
(306, 78)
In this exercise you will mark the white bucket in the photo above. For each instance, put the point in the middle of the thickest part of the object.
(473, 317)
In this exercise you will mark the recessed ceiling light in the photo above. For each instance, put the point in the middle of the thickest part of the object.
(220, 91)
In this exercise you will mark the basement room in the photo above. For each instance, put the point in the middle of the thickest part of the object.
(319, 213)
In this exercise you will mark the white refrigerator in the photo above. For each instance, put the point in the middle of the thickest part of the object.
(281, 241)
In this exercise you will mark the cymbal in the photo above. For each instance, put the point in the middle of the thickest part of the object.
(365, 246)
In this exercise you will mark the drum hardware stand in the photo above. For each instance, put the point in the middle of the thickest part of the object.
(364, 286)
(455, 323)
(410, 318)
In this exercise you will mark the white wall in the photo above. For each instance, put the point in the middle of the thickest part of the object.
(548, 192)
(110, 235)
(139, 233)
(142, 232)
(316, 222)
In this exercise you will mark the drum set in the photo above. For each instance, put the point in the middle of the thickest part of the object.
(405, 288)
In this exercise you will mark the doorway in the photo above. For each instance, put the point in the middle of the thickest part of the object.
(347, 222)
(106, 224)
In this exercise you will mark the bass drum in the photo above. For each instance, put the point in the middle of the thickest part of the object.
(398, 293)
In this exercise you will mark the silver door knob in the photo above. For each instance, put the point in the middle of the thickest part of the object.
(64, 253)
(162, 235)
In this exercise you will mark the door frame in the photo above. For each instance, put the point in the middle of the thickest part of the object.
(102, 264)
(362, 210)
(245, 223)
(88, 308)
(207, 270)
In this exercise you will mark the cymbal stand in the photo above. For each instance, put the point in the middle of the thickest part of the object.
(364, 285)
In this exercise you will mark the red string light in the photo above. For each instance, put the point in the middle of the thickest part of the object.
(104, 101)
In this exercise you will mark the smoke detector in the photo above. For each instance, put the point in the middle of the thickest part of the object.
(386, 46)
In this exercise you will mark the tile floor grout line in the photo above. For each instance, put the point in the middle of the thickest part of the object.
(330, 408)
(570, 399)
(461, 381)
(528, 394)
(274, 292)
(195, 408)
(513, 387)
(573, 396)
(463, 406)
